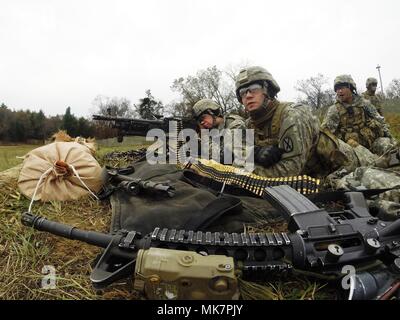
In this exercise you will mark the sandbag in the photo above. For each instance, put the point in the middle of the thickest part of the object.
(59, 164)
(187, 208)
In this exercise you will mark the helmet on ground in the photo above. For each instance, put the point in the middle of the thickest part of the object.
(256, 74)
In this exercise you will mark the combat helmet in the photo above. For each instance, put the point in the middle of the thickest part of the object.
(345, 79)
(206, 105)
(253, 75)
(371, 81)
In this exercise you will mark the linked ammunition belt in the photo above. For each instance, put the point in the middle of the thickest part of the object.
(230, 175)
(256, 184)
(251, 182)
(256, 251)
(127, 156)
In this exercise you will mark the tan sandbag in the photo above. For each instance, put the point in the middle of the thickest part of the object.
(60, 182)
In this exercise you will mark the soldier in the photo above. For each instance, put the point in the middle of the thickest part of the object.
(209, 115)
(355, 120)
(288, 140)
(285, 134)
(370, 94)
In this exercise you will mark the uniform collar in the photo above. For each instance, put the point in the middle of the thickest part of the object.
(356, 100)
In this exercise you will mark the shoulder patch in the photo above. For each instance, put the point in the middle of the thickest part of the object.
(287, 144)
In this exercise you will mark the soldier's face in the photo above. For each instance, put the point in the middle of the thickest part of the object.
(253, 99)
(206, 121)
(372, 87)
(344, 94)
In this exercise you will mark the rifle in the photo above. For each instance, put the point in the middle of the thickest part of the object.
(185, 264)
(140, 127)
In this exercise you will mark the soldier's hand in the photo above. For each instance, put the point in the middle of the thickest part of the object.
(267, 156)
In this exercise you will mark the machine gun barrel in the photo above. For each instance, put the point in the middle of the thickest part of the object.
(140, 127)
(99, 117)
(91, 237)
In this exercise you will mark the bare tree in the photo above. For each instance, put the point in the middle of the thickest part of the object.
(120, 107)
(315, 93)
(179, 109)
(233, 70)
(207, 84)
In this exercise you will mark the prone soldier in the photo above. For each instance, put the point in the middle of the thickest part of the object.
(288, 139)
(209, 115)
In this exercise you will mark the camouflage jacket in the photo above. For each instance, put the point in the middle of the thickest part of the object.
(357, 122)
(230, 122)
(292, 128)
(375, 99)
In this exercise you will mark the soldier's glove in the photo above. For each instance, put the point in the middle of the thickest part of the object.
(267, 156)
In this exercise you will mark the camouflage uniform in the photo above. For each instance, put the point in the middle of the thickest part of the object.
(375, 99)
(357, 123)
(366, 127)
(230, 122)
(375, 178)
(295, 130)
(292, 128)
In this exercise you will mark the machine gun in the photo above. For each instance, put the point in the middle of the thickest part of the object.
(186, 264)
(140, 127)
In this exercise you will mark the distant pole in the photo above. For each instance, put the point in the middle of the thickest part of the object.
(380, 77)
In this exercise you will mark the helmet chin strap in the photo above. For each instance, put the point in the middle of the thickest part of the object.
(214, 117)
(264, 112)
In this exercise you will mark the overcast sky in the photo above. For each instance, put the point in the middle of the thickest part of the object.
(56, 54)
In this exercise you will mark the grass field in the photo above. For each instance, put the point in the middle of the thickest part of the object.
(9, 154)
(25, 252)
(393, 119)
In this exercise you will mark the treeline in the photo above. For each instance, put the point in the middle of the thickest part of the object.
(211, 83)
(26, 125)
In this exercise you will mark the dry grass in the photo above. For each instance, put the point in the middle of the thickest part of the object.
(393, 119)
(289, 288)
(24, 252)
(9, 155)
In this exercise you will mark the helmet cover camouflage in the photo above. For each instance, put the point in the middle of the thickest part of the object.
(371, 81)
(344, 79)
(254, 74)
(203, 105)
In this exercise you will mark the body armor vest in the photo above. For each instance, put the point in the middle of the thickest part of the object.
(375, 100)
(354, 125)
(268, 134)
